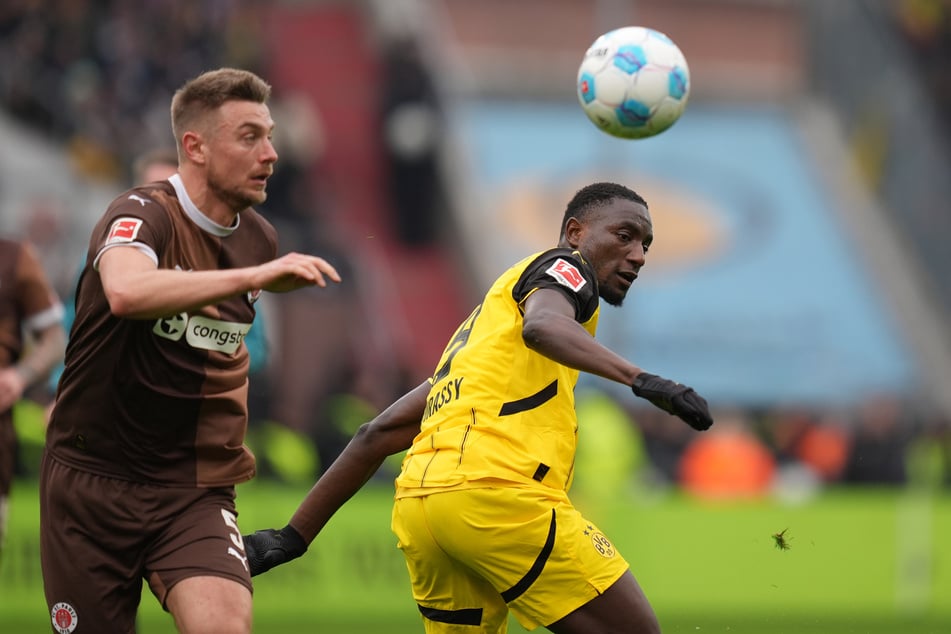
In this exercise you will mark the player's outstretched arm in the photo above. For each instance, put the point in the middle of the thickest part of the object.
(550, 329)
(390, 432)
(136, 289)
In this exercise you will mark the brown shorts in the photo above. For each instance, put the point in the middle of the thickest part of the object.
(100, 537)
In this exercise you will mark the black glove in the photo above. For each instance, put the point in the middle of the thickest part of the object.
(268, 548)
(674, 398)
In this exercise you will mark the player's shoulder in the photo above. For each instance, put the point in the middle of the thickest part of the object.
(561, 269)
(257, 225)
(137, 210)
(144, 199)
(251, 216)
(557, 258)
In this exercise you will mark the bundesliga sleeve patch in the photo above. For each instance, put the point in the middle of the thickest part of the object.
(567, 274)
(123, 230)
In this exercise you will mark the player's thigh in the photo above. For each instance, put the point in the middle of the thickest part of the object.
(201, 538)
(210, 605)
(91, 540)
(539, 553)
(450, 597)
(621, 609)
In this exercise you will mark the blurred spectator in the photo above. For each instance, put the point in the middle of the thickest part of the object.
(412, 122)
(824, 448)
(879, 443)
(610, 457)
(301, 201)
(929, 450)
(154, 165)
(317, 364)
(926, 26)
(816, 440)
(664, 443)
(328, 380)
(45, 226)
(728, 461)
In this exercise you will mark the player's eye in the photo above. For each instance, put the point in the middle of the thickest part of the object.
(646, 247)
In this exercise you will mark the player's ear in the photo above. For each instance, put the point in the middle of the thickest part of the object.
(574, 229)
(194, 147)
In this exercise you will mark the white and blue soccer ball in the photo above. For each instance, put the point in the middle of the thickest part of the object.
(633, 82)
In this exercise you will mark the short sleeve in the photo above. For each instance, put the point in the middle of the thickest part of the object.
(563, 270)
(133, 219)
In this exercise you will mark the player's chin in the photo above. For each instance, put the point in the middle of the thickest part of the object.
(612, 295)
(254, 196)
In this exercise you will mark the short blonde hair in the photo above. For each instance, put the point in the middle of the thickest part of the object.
(205, 94)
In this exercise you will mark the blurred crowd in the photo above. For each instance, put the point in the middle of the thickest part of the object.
(792, 451)
(789, 453)
(96, 76)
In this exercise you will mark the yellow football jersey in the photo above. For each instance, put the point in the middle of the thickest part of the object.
(498, 412)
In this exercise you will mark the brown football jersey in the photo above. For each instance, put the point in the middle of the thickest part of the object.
(161, 400)
(28, 303)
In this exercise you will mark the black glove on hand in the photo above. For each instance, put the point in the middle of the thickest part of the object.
(674, 398)
(268, 548)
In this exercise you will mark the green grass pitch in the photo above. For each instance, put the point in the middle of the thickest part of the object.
(861, 561)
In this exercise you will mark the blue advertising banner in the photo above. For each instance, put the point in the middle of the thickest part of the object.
(753, 292)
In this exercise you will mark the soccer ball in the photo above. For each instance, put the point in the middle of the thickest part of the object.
(633, 82)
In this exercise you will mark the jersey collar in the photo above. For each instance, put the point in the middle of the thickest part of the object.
(193, 212)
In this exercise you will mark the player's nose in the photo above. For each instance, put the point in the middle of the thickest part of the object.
(269, 154)
(637, 255)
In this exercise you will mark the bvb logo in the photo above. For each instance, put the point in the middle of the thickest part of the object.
(603, 545)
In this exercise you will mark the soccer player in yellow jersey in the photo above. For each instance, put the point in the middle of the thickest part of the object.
(482, 513)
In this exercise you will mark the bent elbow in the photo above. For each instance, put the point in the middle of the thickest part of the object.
(533, 334)
(370, 439)
(120, 303)
(378, 441)
(362, 434)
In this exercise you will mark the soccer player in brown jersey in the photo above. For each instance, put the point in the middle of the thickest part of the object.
(28, 305)
(145, 444)
(154, 165)
(482, 512)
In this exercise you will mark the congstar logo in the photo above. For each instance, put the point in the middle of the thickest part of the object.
(202, 332)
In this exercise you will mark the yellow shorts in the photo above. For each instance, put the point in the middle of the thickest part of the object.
(474, 554)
